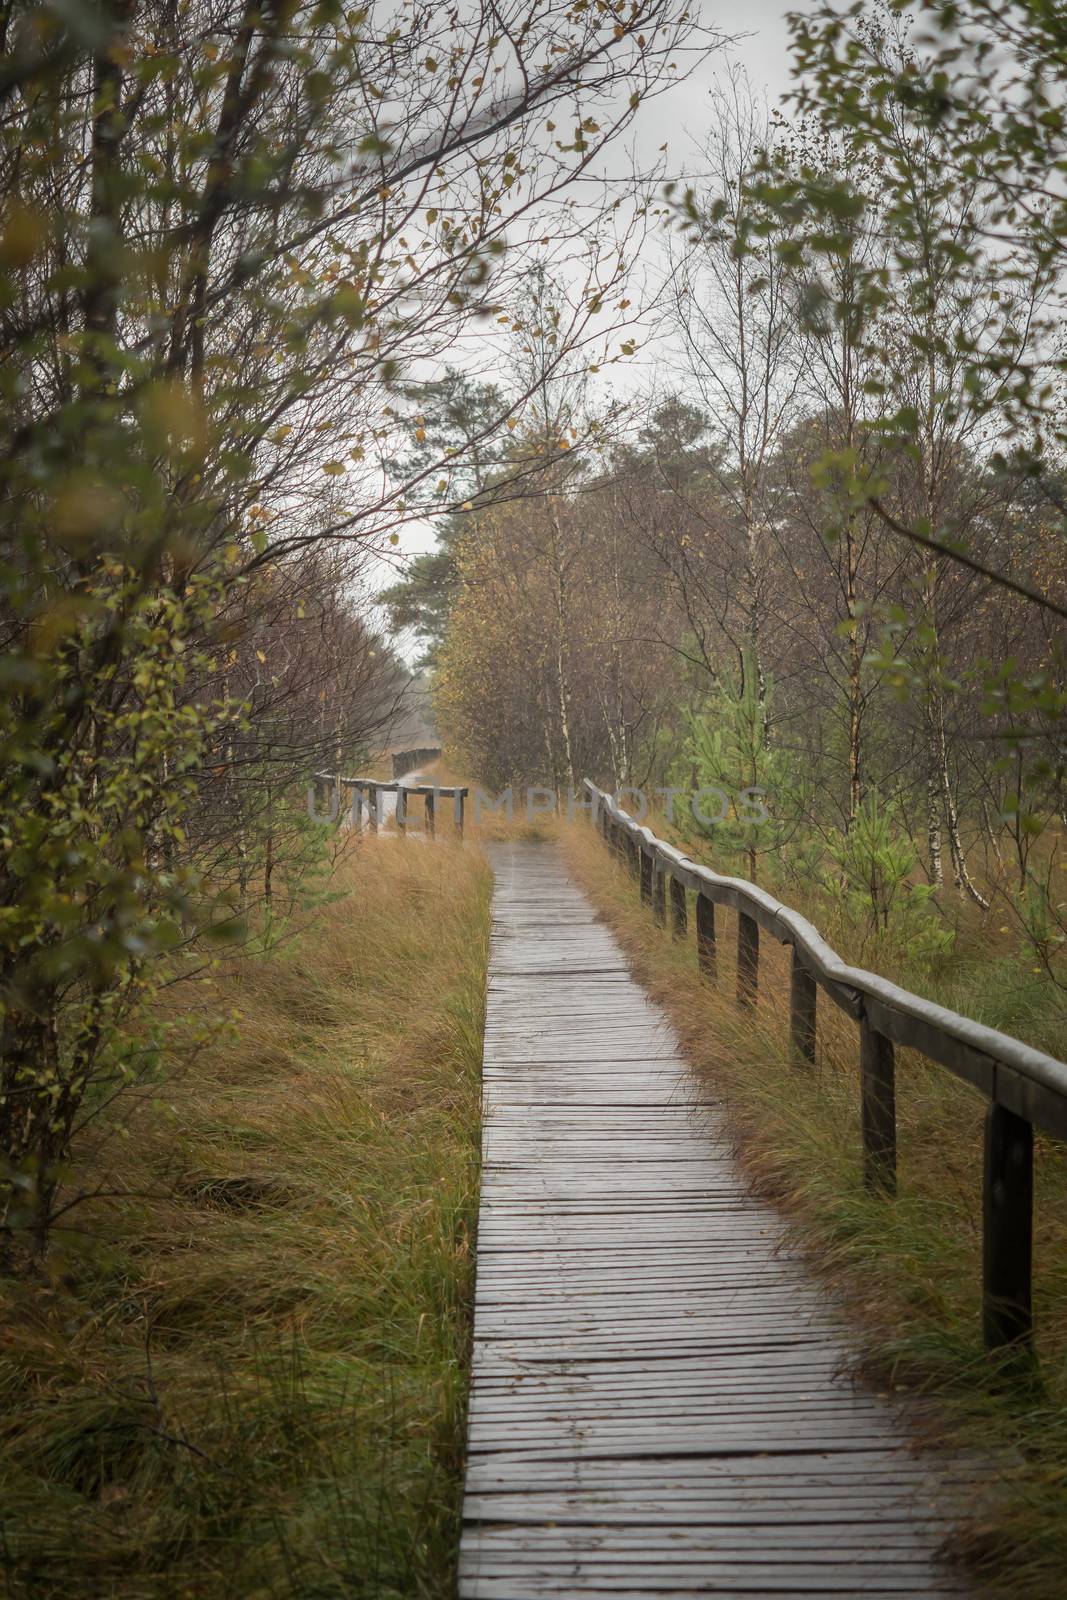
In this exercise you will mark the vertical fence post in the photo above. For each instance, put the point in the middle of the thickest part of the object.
(431, 813)
(747, 959)
(372, 805)
(878, 1110)
(646, 871)
(401, 810)
(706, 936)
(678, 910)
(803, 998)
(633, 860)
(357, 805)
(659, 892)
(1007, 1229)
(458, 812)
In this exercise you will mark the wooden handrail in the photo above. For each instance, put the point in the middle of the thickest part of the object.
(430, 793)
(1025, 1087)
(408, 760)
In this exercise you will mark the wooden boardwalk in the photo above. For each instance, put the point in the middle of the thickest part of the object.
(660, 1402)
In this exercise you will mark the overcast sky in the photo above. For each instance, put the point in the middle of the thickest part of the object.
(763, 52)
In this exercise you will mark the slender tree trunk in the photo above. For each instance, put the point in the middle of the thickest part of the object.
(103, 276)
(617, 733)
(987, 828)
(933, 829)
(755, 611)
(562, 685)
(34, 1114)
(855, 679)
(562, 707)
(268, 862)
(960, 875)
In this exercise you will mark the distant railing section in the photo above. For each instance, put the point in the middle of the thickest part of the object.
(360, 798)
(1025, 1088)
(405, 761)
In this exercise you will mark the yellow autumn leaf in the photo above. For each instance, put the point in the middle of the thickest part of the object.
(333, 469)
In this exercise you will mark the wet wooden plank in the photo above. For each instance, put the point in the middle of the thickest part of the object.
(661, 1399)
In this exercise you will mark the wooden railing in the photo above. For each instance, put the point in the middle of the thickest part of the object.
(405, 761)
(1025, 1088)
(365, 800)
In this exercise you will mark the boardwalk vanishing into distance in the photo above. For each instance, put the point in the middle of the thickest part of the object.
(661, 1401)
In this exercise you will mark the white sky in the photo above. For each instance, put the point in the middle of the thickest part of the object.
(763, 52)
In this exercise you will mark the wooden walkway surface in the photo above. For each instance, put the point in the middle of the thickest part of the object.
(660, 1403)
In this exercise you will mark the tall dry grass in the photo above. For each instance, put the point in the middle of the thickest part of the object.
(908, 1271)
(244, 1374)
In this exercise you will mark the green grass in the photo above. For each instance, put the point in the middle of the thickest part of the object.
(908, 1271)
(245, 1375)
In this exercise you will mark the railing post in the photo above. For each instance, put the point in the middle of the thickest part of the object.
(372, 802)
(706, 936)
(401, 810)
(747, 959)
(1007, 1229)
(357, 805)
(678, 910)
(659, 893)
(458, 811)
(803, 999)
(430, 813)
(646, 872)
(878, 1110)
